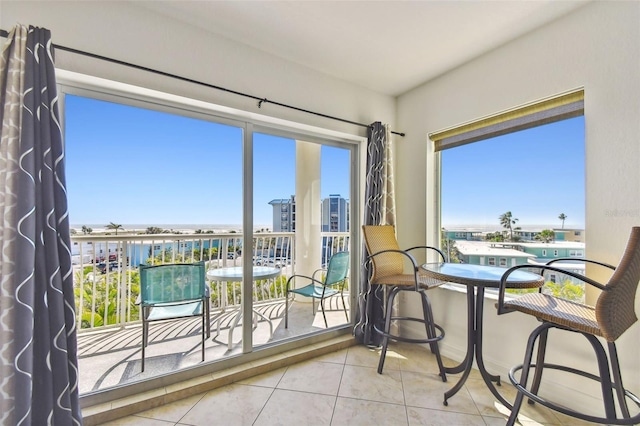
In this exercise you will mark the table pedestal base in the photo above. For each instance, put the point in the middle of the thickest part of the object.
(235, 322)
(475, 307)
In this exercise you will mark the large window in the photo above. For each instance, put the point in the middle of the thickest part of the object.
(516, 180)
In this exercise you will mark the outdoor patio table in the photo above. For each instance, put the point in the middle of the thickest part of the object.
(234, 274)
(476, 278)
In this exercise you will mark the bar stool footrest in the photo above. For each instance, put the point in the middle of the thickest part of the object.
(567, 411)
(379, 328)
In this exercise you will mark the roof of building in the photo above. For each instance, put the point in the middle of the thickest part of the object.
(483, 248)
(554, 245)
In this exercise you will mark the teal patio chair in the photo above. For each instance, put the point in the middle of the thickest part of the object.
(335, 277)
(173, 291)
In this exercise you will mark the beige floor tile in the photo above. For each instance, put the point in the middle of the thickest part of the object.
(297, 409)
(350, 412)
(337, 357)
(363, 356)
(174, 411)
(344, 388)
(230, 405)
(311, 376)
(137, 421)
(416, 358)
(486, 402)
(427, 417)
(269, 380)
(426, 390)
(495, 421)
(490, 406)
(366, 383)
(571, 421)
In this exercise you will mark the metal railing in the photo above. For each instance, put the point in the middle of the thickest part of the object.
(107, 283)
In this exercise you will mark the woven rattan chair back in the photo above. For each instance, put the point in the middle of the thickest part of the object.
(615, 308)
(379, 238)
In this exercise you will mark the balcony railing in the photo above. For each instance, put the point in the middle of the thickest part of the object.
(107, 284)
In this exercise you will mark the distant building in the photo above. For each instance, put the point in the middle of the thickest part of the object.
(526, 235)
(491, 254)
(570, 235)
(507, 254)
(548, 251)
(284, 214)
(335, 214)
(462, 234)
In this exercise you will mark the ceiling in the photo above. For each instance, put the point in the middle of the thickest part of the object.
(386, 46)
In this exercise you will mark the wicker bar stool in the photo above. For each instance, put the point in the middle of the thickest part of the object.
(612, 315)
(388, 262)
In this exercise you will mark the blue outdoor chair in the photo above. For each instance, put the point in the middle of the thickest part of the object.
(335, 277)
(173, 291)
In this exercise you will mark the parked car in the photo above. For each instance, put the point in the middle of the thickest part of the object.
(102, 267)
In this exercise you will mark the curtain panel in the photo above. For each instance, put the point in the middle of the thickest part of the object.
(379, 209)
(38, 348)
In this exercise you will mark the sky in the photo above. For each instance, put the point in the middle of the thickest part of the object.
(130, 165)
(537, 174)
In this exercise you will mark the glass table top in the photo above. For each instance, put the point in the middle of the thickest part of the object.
(479, 275)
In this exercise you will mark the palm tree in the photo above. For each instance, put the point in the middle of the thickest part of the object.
(507, 221)
(86, 230)
(114, 226)
(562, 217)
(546, 236)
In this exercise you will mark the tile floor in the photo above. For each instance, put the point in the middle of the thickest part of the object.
(343, 388)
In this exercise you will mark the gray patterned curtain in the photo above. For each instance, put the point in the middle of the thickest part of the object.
(38, 349)
(379, 209)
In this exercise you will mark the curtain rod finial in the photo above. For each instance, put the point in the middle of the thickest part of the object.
(261, 101)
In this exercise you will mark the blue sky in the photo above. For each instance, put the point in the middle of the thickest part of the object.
(129, 165)
(536, 174)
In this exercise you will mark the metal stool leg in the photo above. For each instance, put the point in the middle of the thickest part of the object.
(617, 379)
(387, 328)
(524, 375)
(431, 333)
(542, 348)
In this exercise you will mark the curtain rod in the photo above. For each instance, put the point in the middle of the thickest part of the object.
(260, 100)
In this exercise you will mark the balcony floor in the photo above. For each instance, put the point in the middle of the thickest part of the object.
(113, 357)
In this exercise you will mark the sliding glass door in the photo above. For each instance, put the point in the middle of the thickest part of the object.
(151, 184)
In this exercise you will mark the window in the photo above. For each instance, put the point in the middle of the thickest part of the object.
(492, 261)
(503, 261)
(555, 253)
(484, 168)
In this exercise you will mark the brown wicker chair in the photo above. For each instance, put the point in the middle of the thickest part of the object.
(388, 272)
(613, 314)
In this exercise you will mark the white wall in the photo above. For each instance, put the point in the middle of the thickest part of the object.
(598, 47)
(129, 33)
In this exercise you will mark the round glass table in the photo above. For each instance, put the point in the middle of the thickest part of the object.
(477, 278)
(235, 274)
